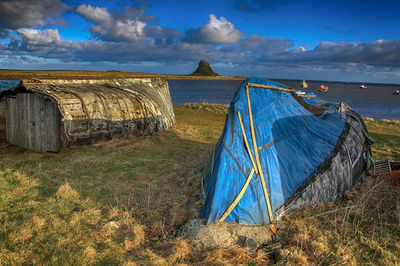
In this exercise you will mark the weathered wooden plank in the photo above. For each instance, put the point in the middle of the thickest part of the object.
(11, 120)
(36, 115)
(56, 127)
(23, 131)
(15, 120)
(25, 123)
(49, 126)
(42, 123)
(32, 121)
(3, 112)
(20, 117)
(8, 119)
(28, 121)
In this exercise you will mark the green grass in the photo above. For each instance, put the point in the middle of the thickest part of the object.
(62, 208)
(387, 136)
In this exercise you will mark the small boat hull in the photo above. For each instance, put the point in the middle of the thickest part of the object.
(323, 88)
(300, 92)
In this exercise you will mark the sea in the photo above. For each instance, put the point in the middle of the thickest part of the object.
(377, 101)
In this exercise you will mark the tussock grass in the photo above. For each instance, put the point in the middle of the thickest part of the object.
(123, 201)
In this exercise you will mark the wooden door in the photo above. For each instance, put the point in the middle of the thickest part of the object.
(33, 122)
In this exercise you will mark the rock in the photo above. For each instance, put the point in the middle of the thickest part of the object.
(241, 240)
(192, 228)
(251, 245)
(224, 235)
(204, 69)
(113, 224)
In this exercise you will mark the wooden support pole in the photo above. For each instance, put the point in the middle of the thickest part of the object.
(268, 87)
(238, 197)
(253, 136)
(246, 142)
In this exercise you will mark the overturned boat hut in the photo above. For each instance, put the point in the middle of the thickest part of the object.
(280, 151)
(45, 115)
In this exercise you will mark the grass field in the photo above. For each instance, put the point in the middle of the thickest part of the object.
(123, 201)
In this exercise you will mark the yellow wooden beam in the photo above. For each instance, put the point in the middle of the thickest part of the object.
(238, 197)
(253, 136)
(246, 142)
(268, 87)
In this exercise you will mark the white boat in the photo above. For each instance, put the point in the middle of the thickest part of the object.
(303, 84)
(396, 92)
(299, 92)
(362, 86)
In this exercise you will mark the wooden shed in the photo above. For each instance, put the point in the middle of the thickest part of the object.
(45, 115)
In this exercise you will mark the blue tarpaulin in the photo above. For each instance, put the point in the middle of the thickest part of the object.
(294, 136)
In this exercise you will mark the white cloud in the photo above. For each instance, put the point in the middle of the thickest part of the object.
(27, 13)
(121, 27)
(95, 14)
(220, 31)
(216, 31)
(38, 38)
(129, 29)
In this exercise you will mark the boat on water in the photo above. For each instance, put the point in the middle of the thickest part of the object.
(362, 86)
(323, 88)
(299, 92)
(396, 92)
(303, 84)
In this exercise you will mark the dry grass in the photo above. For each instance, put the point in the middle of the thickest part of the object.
(123, 201)
(369, 232)
(210, 107)
(114, 202)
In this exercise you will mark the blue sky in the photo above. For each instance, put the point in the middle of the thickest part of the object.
(327, 40)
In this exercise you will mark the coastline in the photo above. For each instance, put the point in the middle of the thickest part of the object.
(10, 74)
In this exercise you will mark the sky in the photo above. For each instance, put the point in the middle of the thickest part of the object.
(337, 40)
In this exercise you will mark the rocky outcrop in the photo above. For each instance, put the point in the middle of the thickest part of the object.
(204, 69)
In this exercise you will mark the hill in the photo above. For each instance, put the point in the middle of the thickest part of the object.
(204, 69)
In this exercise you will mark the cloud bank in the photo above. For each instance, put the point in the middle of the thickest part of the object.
(130, 37)
(26, 13)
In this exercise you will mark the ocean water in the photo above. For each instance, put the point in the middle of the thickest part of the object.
(6, 84)
(377, 101)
